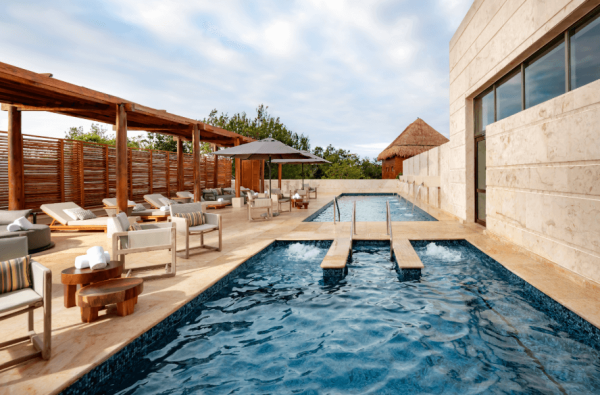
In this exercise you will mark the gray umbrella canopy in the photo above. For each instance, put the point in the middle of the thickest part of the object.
(312, 160)
(263, 149)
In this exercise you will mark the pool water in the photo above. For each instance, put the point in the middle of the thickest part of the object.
(461, 328)
(371, 208)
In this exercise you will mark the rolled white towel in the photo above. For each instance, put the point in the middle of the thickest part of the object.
(220, 200)
(82, 261)
(165, 208)
(23, 223)
(13, 227)
(96, 258)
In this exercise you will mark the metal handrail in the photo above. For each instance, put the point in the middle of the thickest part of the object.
(387, 217)
(389, 230)
(334, 210)
(354, 216)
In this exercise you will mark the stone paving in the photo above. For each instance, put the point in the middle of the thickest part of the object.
(78, 347)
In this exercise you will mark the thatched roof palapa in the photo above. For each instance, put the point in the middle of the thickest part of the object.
(418, 137)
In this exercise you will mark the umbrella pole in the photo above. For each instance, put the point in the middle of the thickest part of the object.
(270, 177)
(302, 177)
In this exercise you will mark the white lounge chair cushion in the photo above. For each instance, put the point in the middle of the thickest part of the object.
(154, 199)
(102, 221)
(56, 211)
(203, 228)
(79, 214)
(20, 298)
(185, 194)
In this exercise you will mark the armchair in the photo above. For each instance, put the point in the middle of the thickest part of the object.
(39, 294)
(259, 203)
(151, 237)
(279, 200)
(211, 223)
(310, 190)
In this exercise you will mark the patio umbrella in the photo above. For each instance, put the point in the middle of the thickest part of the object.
(263, 149)
(311, 160)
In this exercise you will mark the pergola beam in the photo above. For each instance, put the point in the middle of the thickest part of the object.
(59, 107)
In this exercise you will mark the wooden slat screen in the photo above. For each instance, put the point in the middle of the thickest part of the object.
(60, 170)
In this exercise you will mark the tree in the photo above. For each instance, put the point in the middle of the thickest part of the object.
(99, 134)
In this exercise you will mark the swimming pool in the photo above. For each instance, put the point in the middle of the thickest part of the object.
(371, 207)
(465, 327)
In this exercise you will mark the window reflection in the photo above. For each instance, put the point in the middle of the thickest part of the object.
(585, 54)
(508, 96)
(484, 111)
(545, 75)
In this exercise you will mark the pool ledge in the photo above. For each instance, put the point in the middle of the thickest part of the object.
(337, 256)
(406, 256)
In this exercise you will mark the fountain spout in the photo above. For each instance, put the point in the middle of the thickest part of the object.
(416, 195)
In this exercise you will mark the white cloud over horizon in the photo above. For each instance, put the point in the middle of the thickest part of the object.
(349, 73)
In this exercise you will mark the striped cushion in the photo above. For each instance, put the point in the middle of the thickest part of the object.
(193, 219)
(15, 274)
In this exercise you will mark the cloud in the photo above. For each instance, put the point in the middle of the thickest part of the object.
(344, 72)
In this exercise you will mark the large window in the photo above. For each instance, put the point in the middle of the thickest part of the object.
(585, 53)
(545, 75)
(509, 95)
(484, 112)
(569, 62)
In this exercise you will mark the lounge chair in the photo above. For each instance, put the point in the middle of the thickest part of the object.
(38, 294)
(38, 237)
(154, 215)
(152, 237)
(211, 223)
(280, 200)
(61, 221)
(154, 201)
(310, 190)
(255, 203)
(189, 196)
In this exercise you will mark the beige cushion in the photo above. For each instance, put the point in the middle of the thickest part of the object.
(102, 221)
(153, 199)
(185, 194)
(262, 202)
(203, 228)
(20, 298)
(56, 211)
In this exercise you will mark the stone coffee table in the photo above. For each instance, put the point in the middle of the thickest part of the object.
(72, 277)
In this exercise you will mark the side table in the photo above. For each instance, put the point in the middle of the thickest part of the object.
(72, 276)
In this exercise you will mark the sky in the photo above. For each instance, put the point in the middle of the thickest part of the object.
(352, 74)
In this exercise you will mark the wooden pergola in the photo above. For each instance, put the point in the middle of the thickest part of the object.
(23, 90)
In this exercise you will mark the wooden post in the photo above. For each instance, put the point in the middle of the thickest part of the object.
(180, 179)
(238, 171)
(121, 123)
(130, 173)
(151, 174)
(61, 170)
(279, 171)
(106, 183)
(81, 175)
(168, 173)
(216, 172)
(16, 173)
(262, 176)
(196, 141)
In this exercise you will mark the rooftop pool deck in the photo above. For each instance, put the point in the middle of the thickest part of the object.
(78, 348)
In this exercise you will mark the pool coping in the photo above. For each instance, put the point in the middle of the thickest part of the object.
(314, 215)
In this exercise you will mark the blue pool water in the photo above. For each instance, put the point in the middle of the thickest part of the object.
(371, 208)
(463, 327)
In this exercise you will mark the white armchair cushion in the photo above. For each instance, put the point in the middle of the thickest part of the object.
(203, 228)
(263, 202)
(20, 298)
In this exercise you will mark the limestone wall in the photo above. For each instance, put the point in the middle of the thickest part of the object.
(339, 186)
(543, 179)
(543, 164)
(429, 168)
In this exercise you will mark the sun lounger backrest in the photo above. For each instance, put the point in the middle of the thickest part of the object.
(55, 210)
(185, 194)
(110, 202)
(154, 200)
